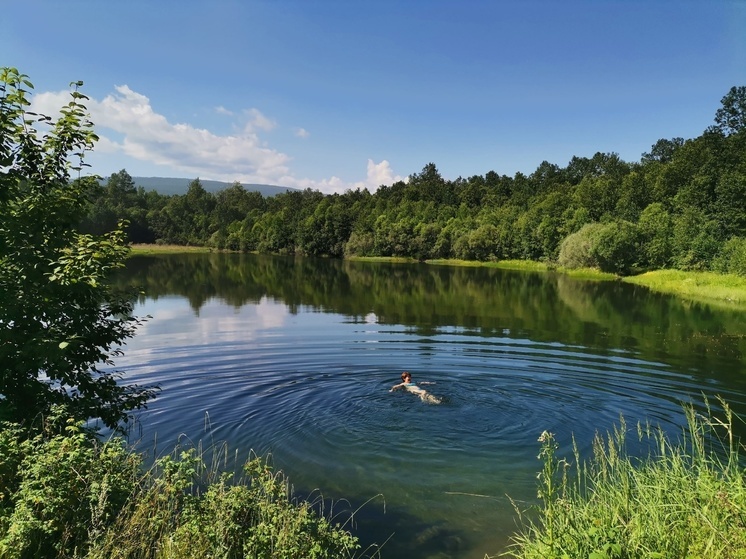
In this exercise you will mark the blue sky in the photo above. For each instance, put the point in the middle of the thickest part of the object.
(337, 94)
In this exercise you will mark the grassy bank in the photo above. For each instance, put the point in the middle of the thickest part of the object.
(166, 249)
(729, 290)
(686, 499)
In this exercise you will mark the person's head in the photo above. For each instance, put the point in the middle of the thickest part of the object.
(406, 376)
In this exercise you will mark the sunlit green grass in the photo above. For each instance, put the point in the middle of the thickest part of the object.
(685, 499)
(587, 273)
(704, 286)
(140, 249)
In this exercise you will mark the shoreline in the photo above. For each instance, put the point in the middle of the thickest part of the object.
(723, 290)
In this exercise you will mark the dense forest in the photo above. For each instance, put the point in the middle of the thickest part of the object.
(683, 205)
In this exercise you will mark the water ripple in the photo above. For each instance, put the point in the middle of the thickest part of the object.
(315, 394)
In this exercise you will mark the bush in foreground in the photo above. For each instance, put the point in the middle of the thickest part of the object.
(70, 495)
(687, 499)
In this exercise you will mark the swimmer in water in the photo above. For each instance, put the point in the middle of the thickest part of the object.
(407, 384)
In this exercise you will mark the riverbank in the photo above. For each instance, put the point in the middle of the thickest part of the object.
(708, 287)
(724, 289)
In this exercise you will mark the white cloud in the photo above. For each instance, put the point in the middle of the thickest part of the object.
(127, 124)
(148, 136)
(258, 121)
(380, 173)
(221, 110)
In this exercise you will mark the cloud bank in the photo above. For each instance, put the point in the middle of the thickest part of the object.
(127, 124)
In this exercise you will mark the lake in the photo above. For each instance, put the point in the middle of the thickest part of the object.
(294, 357)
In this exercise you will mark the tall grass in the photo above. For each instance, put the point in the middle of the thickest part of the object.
(685, 499)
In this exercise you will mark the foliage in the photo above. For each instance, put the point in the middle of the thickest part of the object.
(731, 116)
(577, 250)
(191, 511)
(615, 247)
(61, 490)
(686, 499)
(695, 241)
(656, 232)
(732, 257)
(59, 320)
(70, 495)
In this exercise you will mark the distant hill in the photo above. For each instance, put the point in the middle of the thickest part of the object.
(172, 185)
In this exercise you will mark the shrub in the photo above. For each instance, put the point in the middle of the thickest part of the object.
(190, 511)
(696, 240)
(60, 492)
(615, 247)
(731, 259)
(360, 244)
(576, 250)
(65, 495)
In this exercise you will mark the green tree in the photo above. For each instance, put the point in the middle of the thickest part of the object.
(730, 204)
(731, 116)
(199, 205)
(656, 234)
(663, 150)
(59, 319)
(615, 247)
(696, 240)
(576, 251)
(121, 189)
(597, 195)
(634, 197)
(731, 258)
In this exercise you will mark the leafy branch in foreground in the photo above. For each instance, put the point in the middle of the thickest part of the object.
(59, 319)
(685, 499)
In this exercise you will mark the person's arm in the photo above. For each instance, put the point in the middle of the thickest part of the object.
(425, 383)
(397, 387)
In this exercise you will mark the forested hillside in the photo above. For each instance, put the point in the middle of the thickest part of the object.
(683, 205)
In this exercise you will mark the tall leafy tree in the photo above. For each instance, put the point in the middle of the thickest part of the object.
(60, 322)
(731, 116)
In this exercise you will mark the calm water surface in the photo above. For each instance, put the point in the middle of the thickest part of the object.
(294, 357)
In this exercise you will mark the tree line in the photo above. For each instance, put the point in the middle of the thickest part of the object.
(683, 205)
